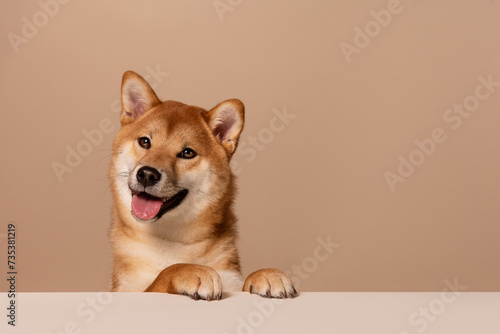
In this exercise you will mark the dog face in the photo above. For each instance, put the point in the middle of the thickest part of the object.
(171, 160)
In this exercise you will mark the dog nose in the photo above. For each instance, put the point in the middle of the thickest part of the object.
(148, 176)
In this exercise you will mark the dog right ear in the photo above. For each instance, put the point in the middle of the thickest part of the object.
(137, 97)
(226, 122)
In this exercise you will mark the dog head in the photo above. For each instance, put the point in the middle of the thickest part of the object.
(169, 157)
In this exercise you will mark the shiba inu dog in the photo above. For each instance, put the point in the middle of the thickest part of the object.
(173, 227)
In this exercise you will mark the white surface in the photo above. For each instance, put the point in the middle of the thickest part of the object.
(330, 312)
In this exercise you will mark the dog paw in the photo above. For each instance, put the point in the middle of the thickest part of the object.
(195, 281)
(270, 283)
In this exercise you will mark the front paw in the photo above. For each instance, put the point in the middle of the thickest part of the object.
(196, 281)
(271, 283)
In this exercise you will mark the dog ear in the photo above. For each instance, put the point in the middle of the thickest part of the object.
(226, 122)
(137, 97)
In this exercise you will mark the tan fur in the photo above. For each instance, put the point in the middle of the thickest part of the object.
(191, 249)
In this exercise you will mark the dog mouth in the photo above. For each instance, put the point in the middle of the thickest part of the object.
(148, 207)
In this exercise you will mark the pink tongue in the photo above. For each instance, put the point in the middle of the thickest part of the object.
(145, 207)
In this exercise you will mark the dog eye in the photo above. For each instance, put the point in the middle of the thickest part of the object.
(144, 142)
(187, 154)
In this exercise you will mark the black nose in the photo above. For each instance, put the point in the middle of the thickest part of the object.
(148, 176)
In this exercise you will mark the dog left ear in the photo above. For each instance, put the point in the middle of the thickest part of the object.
(226, 122)
(137, 97)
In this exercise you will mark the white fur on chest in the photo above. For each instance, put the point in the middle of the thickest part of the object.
(151, 255)
(144, 261)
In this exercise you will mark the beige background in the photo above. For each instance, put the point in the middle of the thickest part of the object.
(321, 175)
